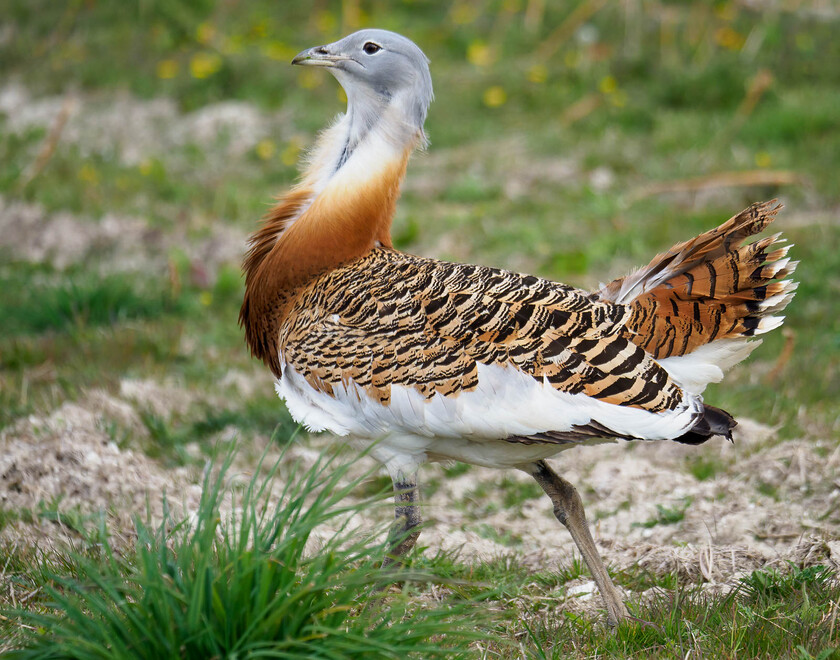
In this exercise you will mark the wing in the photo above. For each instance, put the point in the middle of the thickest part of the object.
(453, 348)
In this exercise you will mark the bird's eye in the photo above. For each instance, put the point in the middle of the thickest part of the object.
(371, 48)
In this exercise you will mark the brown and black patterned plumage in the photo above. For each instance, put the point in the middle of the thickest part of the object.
(711, 287)
(425, 360)
(390, 319)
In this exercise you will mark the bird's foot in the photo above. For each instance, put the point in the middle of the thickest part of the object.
(617, 613)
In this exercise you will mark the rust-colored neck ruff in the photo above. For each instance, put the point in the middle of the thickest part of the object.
(307, 235)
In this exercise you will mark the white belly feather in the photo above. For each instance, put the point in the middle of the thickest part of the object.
(471, 426)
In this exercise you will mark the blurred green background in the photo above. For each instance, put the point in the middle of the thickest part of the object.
(141, 140)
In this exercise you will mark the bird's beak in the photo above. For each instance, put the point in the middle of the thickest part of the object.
(318, 56)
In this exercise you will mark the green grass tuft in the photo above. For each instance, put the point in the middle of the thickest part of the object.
(36, 299)
(245, 586)
(704, 467)
(666, 515)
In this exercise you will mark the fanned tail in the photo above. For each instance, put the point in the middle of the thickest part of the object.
(695, 307)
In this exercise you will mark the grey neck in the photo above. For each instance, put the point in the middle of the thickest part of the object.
(364, 112)
(395, 117)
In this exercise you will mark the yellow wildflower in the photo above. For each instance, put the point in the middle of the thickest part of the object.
(729, 38)
(538, 74)
(494, 96)
(480, 54)
(608, 85)
(266, 148)
(167, 69)
(763, 159)
(88, 174)
(204, 65)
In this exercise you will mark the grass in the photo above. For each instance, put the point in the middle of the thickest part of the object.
(704, 467)
(39, 301)
(768, 613)
(241, 584)
(168, 439)
(545, 139)
(666, 515)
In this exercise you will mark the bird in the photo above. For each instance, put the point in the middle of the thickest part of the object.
(420, 360)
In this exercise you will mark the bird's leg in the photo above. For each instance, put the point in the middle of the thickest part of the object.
(568, 509)
(405, 531)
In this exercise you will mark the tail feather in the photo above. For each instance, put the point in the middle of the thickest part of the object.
(709, 288)
(695, 307)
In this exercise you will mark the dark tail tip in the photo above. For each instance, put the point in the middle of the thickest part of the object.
(713, 422)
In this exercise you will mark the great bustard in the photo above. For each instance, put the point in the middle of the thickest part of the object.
(429, 360)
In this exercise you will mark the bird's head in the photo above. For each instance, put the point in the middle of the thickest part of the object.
(377, 68)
